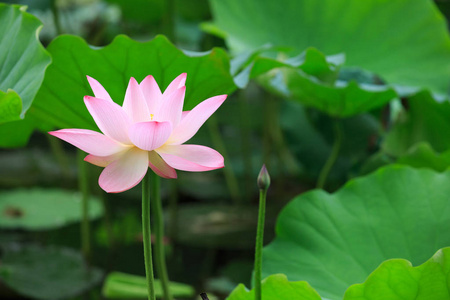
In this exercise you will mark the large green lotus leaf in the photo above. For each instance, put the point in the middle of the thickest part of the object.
(398, 279)
(42, 209)
(336, 240)
(414, 52)
(23, 61)
(277, 287)
(60, 99)
(121, 285)
(47, 273)
(425, 121)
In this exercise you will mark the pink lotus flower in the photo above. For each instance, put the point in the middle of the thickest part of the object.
(148, 130)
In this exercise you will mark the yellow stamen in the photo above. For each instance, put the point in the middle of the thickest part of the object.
(151, 117)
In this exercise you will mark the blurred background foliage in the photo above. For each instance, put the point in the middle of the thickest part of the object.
(367, 97)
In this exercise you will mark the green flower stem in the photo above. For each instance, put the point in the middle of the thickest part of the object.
(284, 155)
(245, 114)
(230, 176)
(160, 260)
(83, 183)
(259, 243)
(146, 236)
(338, 135)
(274, 139)
(55, 13)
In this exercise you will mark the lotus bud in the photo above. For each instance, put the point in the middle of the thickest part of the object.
(263, 179)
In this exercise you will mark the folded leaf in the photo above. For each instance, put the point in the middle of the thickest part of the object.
(23, 61)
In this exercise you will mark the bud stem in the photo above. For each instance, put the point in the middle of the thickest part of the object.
(263, 184)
